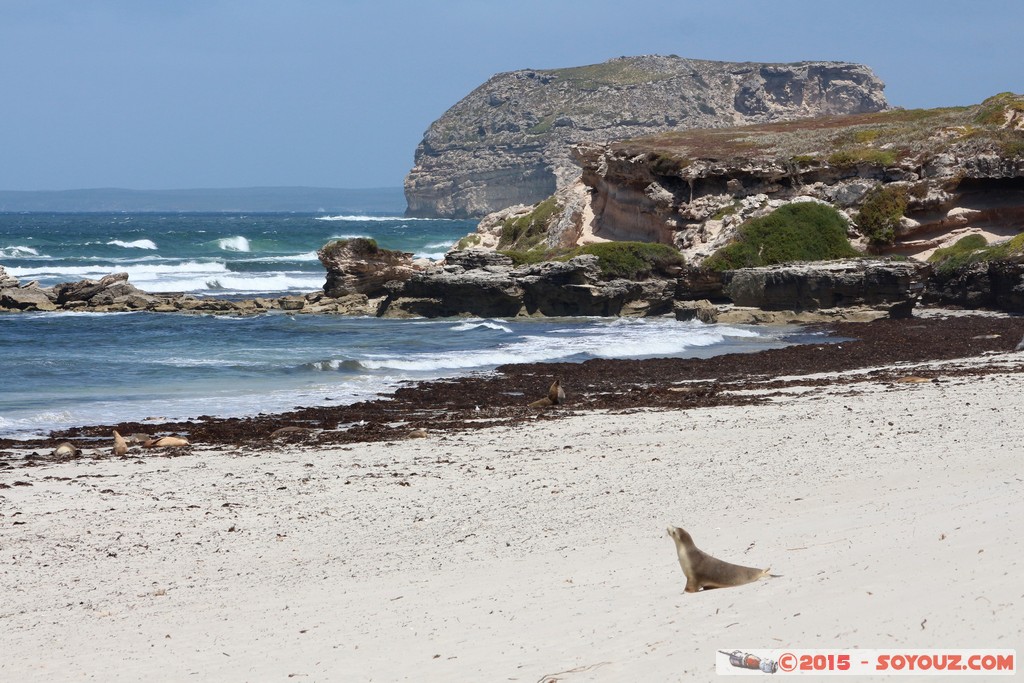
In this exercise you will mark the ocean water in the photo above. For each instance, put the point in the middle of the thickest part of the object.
(69, 369)
(208, 254)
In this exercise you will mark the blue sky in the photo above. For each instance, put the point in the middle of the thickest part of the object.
(149, 94)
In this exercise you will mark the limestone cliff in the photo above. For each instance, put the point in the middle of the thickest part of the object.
(508, 142)
(909, 181)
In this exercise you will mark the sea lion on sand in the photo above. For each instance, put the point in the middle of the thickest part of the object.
(704, 571)
(66, 449)
(166, 442)
(555, 396)
(120, 447)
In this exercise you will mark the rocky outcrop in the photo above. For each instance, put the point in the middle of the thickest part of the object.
(508, 142)
(7, 281)
(359, 266)
(948, 173)
(471, 283)
(997, 284)
(952, 172)
(829, 284)
(26, 299)
(113, 294)
(110, 287)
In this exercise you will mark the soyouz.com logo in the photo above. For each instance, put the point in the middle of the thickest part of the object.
(932, 662)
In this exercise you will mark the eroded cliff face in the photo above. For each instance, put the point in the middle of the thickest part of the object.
(953, 173)
(508, 142)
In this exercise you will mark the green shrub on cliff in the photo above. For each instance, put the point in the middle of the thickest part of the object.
(992, 112)
(632, 260)
(527, 232)
(805, 231)
(616, 260)
(974, 249)
(880, 214)
(962, 248)
(358, 246)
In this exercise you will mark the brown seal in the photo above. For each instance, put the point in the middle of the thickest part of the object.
(166, 442)
(120, 446)
(704, 571)
(555, 396)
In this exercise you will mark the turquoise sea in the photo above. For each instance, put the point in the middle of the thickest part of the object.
(67, 369)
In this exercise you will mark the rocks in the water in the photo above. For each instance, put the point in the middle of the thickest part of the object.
(7, 281)
(491, 287)
(26, 299)
(702, 310)
(85, 290)
(113, 293)
(359, 266)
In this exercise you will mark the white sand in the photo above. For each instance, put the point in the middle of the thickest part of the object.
(893, 514)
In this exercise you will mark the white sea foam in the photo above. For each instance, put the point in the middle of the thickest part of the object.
(349, 237)
(236, 243)
(137, 244)
(291, 258)
(18, 251)
(631, 340)
(432, 255)
(257, 283)
(189, 276)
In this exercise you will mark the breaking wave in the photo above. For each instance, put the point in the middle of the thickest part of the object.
(236, 243)
(137, 244)
(18, 251)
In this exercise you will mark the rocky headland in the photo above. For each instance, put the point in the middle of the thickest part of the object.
(944, 186)
(836, 217)
(509, 141)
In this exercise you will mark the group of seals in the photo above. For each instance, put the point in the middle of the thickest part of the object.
(706, 572)
(66, 449)
(556, 395)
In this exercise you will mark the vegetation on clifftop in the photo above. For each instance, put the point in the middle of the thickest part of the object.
(880, 214)
(615, 260)
(880, 139)
(526, 233)
(805, 231)
(974, 249)
(357, 246)
(631, 260)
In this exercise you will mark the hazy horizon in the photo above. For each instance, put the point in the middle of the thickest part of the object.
(385, 200)
(228, 94)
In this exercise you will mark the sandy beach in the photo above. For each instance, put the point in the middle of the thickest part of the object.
(535, 551)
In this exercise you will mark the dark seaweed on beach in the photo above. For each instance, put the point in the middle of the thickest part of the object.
(501, 397)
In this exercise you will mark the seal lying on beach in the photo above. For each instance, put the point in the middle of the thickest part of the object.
(166, 442)
(66, 449)
(555, 396)
(704, 571)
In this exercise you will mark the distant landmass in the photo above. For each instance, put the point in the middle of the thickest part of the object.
(510, 141)
(382, 200)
